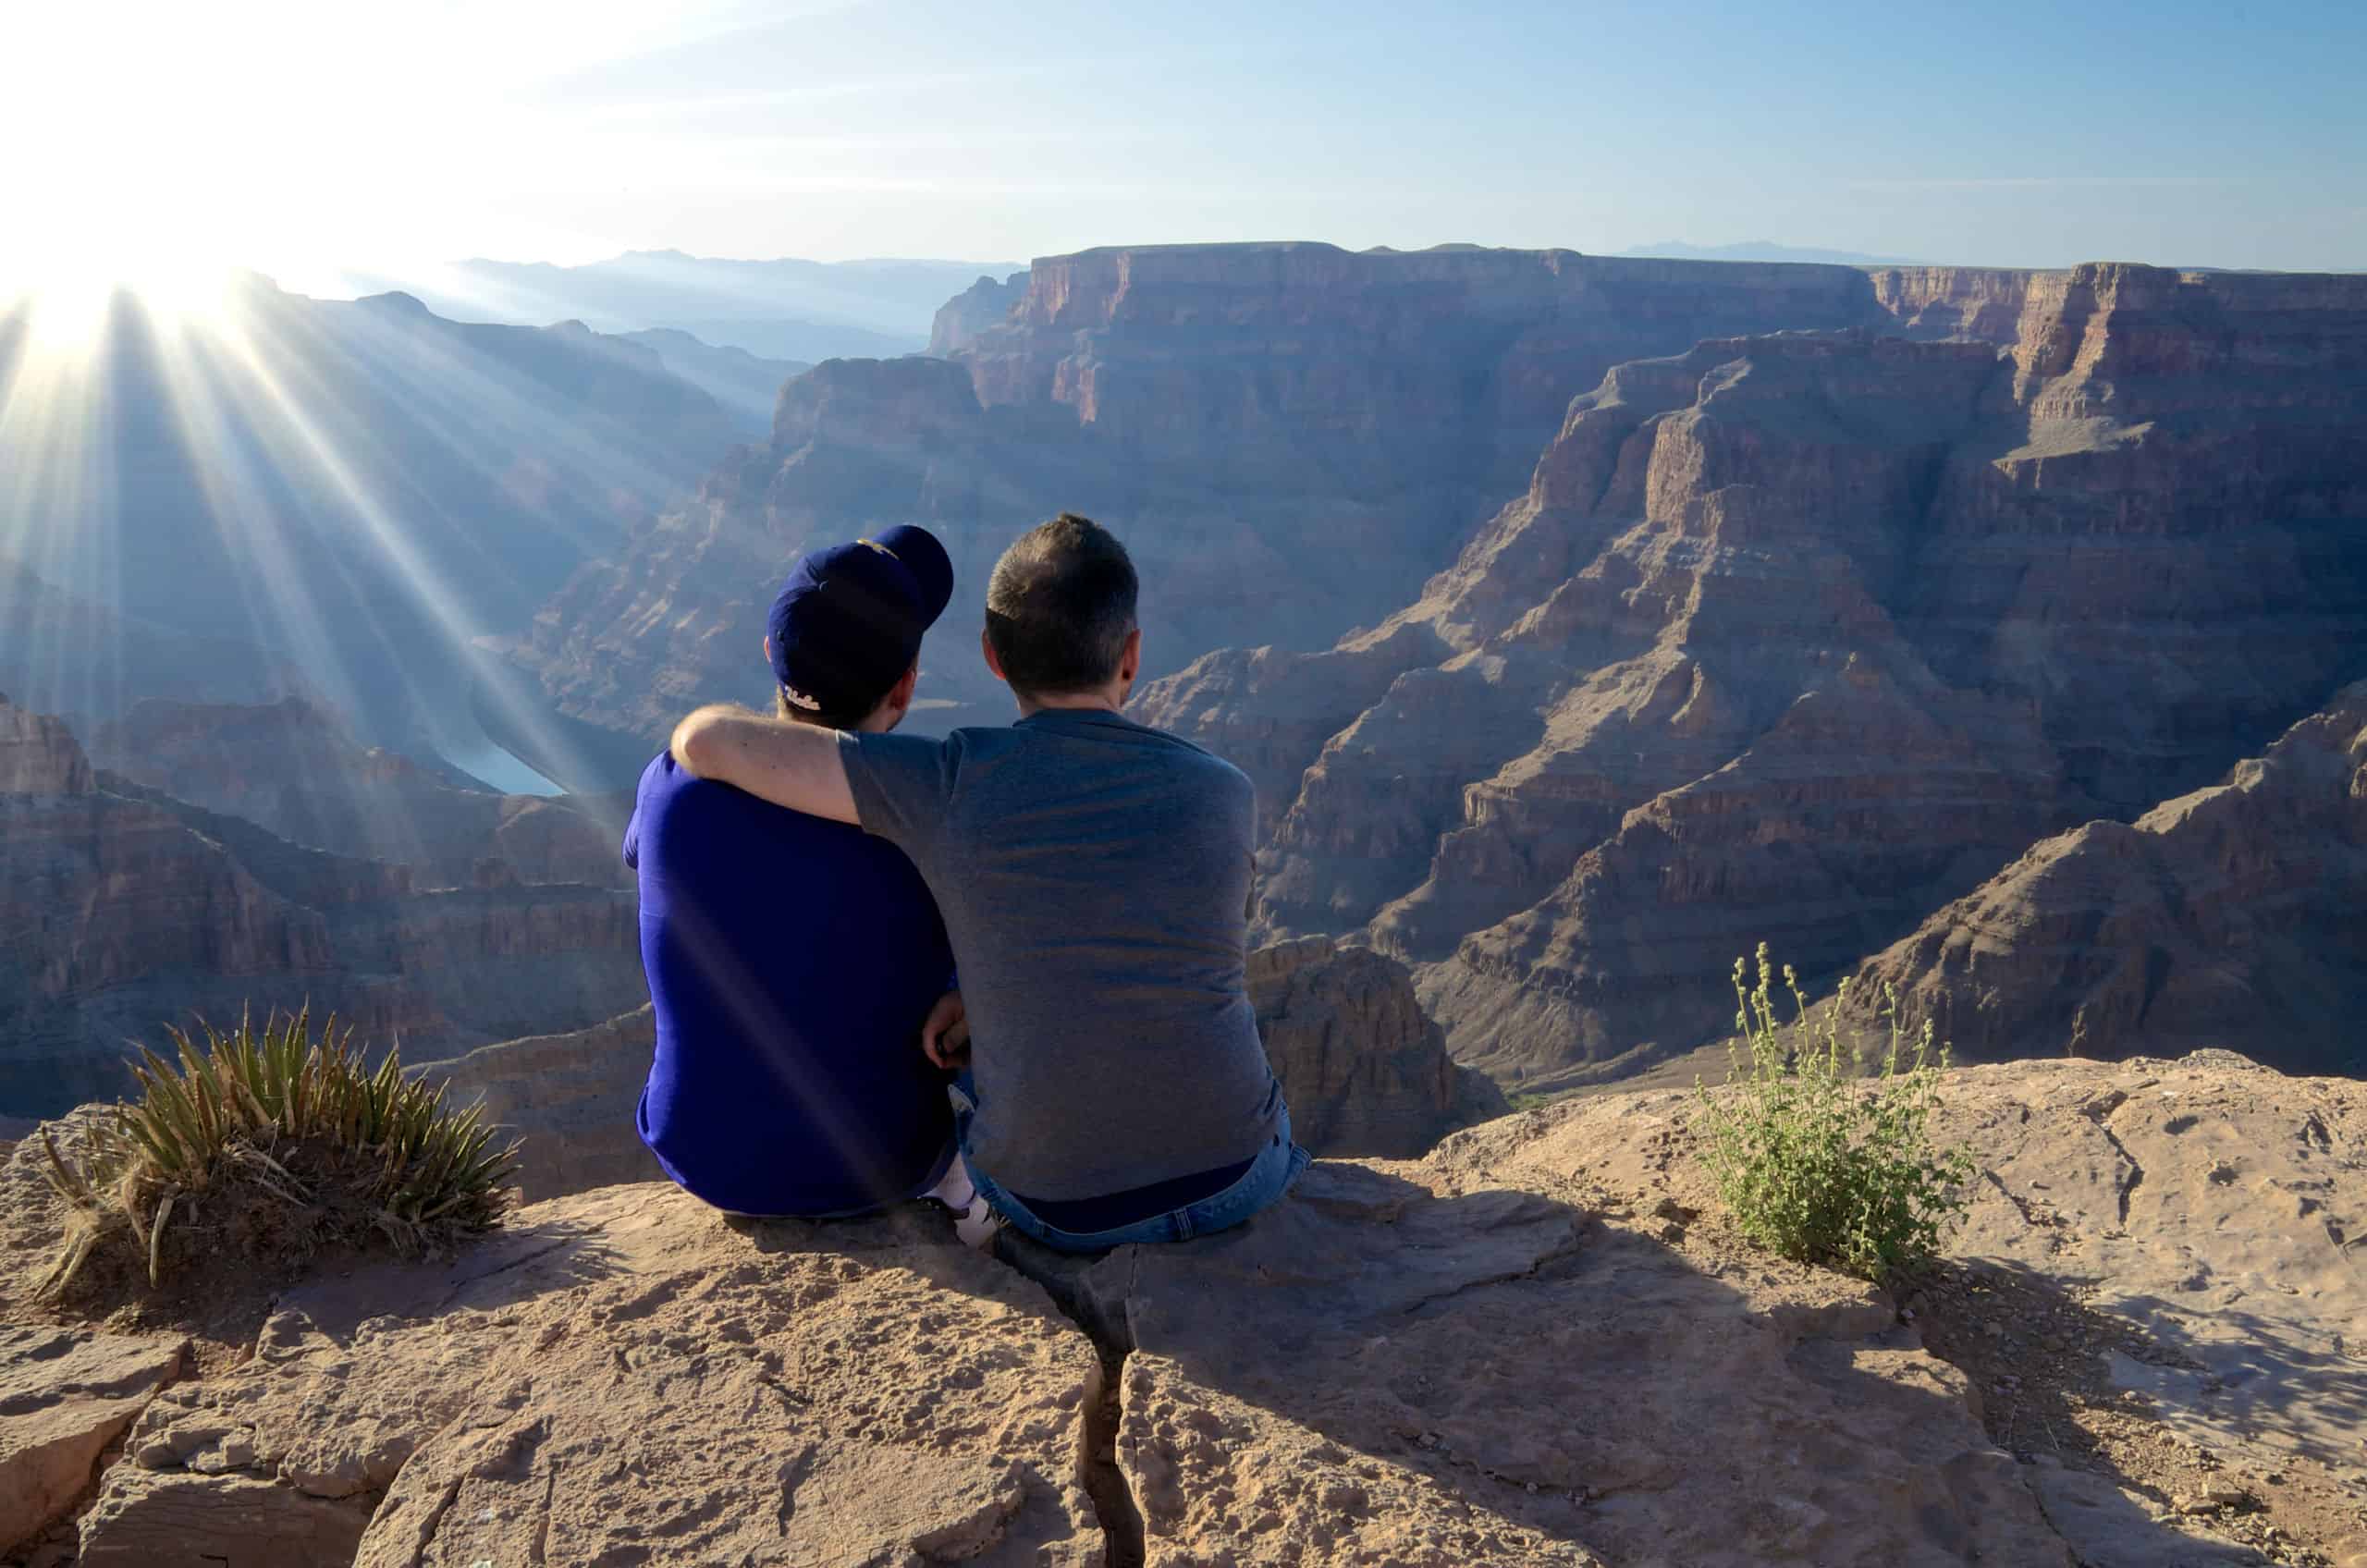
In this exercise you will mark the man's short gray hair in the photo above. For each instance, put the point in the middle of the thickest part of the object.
(1060, 606)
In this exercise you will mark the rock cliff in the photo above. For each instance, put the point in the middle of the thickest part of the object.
(1363, 1067)
(122, 909)
(1540, 1346)
(1979, 304)
(1290, 437)
(291, 768)
(2230, 913)
(986, 303)
(1798, 638)
(1364, 1070)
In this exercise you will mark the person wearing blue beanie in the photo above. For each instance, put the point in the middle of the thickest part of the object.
(791, 960)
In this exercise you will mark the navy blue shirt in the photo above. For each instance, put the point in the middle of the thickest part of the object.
(791, 961)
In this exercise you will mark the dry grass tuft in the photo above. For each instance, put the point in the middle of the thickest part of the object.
(268, 1144)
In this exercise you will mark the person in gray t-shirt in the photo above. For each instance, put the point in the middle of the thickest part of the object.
(1094, 876)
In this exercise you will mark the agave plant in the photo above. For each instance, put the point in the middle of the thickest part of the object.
(292, 1119)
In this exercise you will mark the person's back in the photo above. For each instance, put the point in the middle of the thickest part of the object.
(790, 963)
(1093, 874)
(793, 961)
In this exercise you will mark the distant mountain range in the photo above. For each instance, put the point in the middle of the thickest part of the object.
(784, 309)
(350, 489)
(745, 384)
(1756, 250)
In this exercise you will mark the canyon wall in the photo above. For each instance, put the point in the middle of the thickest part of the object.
(986, 303)
(2232, 912)
(1798, 638)
(1289, 437)
(123, 910)
(291, 768)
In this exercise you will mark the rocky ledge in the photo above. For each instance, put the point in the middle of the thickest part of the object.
(1537, 1345)
(1365, 1070)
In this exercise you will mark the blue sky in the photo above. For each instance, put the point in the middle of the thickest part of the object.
(372, 135)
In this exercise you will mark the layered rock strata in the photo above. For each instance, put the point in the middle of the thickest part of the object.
(2230, 912)
(1540, 1346)
(1364, 1069)
(291, 768)
(1290, 437)
(985, 305)
(1797, 638)
(123, 910)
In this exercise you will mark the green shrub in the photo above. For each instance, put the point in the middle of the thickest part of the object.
(1816, 1163)
(270, 1144)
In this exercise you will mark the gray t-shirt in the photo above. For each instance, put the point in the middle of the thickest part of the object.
(1093, 874)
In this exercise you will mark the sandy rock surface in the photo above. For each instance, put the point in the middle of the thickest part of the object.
(2159, 1297)
(1413, 1364)
(1541, 1344)
(624, 1376)
(65, 1395)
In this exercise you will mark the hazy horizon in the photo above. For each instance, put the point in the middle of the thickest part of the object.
(305, 143)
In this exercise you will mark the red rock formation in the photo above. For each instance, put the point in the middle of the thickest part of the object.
(986, 303)
(1792, 638)
(1983, 304)
(2228, 914)
(291, 768)
(1364, 1069)
(122, 909)
(1290, 437)
(38, 756)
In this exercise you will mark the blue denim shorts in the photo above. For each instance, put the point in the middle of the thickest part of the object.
(1267, 1178)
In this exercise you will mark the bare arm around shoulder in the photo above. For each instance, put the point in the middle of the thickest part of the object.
(795, 765)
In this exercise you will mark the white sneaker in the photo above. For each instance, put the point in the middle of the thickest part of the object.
(953, 1189)
(974, 1220)
(978, 1225)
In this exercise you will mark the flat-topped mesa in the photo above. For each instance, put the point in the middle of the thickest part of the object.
(1469, 354)
(874, 405)
(1289, 437)
(2230, 912)
(1983, 304)
(2191, 346)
